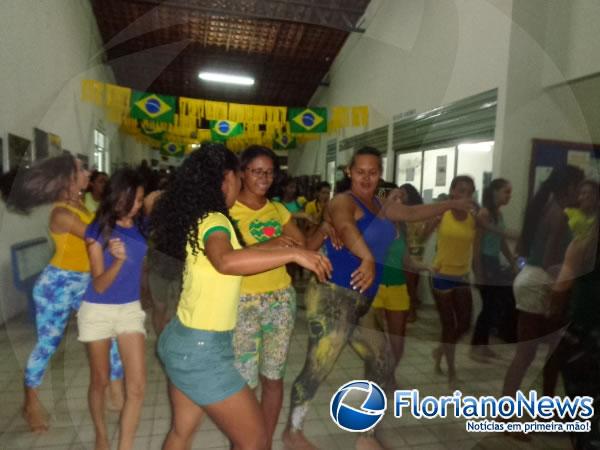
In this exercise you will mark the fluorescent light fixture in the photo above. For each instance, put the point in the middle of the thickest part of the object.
(225, 78)
(483, 147)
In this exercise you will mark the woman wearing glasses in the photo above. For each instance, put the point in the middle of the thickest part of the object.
(267, 307)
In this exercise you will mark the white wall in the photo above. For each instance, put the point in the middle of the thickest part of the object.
(532, 110)
(46, 48)
(418, 54)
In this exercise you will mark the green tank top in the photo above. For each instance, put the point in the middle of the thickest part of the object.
(393, 273)
(491, 243)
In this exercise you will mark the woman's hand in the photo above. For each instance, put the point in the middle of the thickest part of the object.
(329, 231)
(117, 249)
(363, 277)
(464, 204)
(315, 262)
(282, 241)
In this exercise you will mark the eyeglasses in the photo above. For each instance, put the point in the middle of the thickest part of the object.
(259, 173)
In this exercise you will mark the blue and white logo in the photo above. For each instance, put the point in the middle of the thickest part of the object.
(364, 417)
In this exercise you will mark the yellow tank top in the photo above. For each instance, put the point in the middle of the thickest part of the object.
(454, 245)
(70, 253)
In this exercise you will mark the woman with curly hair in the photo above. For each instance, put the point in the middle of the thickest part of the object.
(60, 287)
(191, 222)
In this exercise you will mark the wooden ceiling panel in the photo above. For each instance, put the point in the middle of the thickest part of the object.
(286, 45)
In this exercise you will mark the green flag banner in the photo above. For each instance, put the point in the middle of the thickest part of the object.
(145, 106)
(151, 132)
(221, 130)
(168, 148)
(284, 142)
(307, 120)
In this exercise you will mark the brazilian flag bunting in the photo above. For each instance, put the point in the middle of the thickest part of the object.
(152, 132)
(168, 148)
(145, 106)
(284, 141)
(307, 120)
(221, 130)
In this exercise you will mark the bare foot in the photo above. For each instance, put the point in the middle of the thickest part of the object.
(295, 440)
(115, 396)
(36, 418)
(368, 443)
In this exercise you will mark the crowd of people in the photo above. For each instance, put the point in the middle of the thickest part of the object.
(215, 248)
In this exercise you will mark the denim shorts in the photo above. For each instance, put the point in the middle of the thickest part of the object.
(448, 282)
(199, 363)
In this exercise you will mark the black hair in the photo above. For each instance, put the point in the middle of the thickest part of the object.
(193, 193)
(254, 151)
(345, 183)
(488, 199)
(117, 201)
(559, 182)
(462, 179)
(45, 182)
(97, 173)
(321, 185)
(413, 196)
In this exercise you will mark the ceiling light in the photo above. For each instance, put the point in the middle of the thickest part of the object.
(225, 78)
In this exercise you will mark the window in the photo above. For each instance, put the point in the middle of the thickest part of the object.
(432, 169)
(101, 156)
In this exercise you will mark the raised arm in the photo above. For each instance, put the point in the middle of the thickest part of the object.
(252, 260)
(101, 278)
(396, 211)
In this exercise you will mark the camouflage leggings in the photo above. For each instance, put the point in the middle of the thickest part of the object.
(337, 316)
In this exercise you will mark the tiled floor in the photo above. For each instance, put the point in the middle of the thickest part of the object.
(65, 388)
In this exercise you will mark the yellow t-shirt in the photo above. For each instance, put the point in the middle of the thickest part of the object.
(579, 223)
(259, 226)
(454, 245)
(209, 299)
(70, 252)
(313, 209)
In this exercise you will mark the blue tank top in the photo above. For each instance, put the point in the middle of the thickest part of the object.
(378, 234)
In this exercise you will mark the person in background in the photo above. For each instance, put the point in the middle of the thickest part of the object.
(95, 190)
(316, 207)
(544, 240)
(490, 275)
(60, 287)
(417, 234)
(450, 282)
(392, 301)
(574, 303)
(111, 308)
(191, 219)
(583, 218)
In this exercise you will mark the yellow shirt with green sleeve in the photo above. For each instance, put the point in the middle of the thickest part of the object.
(258, 226)
(209, 299)
(454, 245)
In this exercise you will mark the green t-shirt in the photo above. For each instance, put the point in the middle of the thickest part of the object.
(393, 273)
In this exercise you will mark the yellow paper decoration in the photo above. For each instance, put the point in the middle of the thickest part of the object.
(360, 116)
(92, 91)
(340, 118)
(215, 110)
(191, 107)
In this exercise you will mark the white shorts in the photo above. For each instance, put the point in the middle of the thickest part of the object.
(97, 321)
(532, 288)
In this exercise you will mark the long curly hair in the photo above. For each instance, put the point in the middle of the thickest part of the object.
(193, 193)
(117, 202)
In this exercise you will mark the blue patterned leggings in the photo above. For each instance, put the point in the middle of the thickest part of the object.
(56, 293)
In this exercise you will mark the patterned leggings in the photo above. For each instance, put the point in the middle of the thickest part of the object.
(337, 316)
(56, 293)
